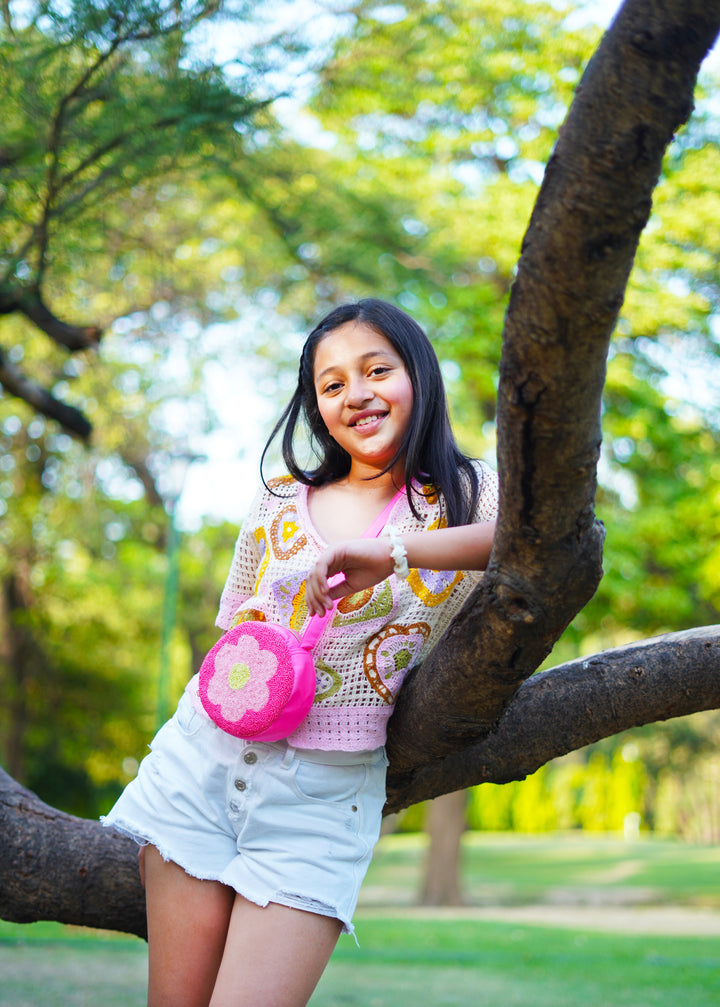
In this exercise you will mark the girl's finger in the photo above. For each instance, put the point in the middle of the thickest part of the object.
(340, 590)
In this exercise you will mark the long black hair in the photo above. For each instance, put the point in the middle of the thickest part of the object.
(431, 455)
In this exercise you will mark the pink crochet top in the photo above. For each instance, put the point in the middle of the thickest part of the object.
(375, 636)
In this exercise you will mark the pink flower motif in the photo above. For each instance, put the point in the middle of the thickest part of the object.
(239, 683)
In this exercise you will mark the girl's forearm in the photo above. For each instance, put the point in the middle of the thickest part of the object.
(466, 547)
(365, 562)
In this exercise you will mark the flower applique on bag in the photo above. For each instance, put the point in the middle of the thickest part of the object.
(258, 681)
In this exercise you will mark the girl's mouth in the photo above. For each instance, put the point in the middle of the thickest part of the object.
(367, 421)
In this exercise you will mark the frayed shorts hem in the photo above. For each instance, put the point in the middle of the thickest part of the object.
(305, 903)
(274, 823)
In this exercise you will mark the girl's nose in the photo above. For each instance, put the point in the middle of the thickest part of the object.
(358, 392)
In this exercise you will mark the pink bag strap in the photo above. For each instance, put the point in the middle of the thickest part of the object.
(318, 622)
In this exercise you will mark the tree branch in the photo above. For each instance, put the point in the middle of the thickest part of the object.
(15, 383)
(575, 704)
(58, 867)
(577, 254)
(29, 302)
(55, 866)
(54, 148)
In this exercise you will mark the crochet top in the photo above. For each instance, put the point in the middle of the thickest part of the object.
(375, 636)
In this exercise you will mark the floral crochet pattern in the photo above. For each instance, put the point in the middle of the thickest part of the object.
(391, 653)
(286, 535)
(375, 635)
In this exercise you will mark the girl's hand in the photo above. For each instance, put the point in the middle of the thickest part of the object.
(363, 563)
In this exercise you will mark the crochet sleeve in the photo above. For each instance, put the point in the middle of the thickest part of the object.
(249, 549)
(487, 505)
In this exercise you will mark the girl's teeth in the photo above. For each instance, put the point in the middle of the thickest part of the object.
(368, 419)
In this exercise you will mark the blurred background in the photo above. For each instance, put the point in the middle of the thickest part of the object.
(200, 182)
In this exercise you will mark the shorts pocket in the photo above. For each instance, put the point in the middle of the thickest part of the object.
(332, 784)
(187, 718)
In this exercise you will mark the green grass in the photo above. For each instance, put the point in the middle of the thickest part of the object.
(461, 962)
(48, 965)
(512, 869)
(448, 960)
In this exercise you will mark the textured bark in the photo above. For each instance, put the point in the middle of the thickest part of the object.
(577, 254)
(575, 704)
(58, 867)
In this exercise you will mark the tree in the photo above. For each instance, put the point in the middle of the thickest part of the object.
(109, 109)
(472, 712)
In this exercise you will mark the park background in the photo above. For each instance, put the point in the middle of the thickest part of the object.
(223, 186)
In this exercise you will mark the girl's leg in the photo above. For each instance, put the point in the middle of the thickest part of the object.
(187, 925)
(274, 956)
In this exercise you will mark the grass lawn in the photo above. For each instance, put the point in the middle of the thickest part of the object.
(460, 963)
(571, 868)
(450, 959)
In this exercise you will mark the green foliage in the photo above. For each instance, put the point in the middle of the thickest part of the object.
(83, 577)
(602, 794)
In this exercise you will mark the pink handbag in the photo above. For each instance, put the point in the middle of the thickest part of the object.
(258, 681)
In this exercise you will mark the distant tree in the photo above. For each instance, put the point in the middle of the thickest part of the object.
(108, 112)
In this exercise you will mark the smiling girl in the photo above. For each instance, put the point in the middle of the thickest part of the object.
(253, 853)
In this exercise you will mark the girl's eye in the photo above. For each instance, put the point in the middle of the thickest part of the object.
(380, 369)
(332, 387)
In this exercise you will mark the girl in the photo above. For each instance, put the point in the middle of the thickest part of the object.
(253, 853)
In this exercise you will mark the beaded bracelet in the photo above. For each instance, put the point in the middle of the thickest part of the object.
(398, 553)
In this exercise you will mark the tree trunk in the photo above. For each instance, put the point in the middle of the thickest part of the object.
(445, 825)
(22, 655)
(576, 258)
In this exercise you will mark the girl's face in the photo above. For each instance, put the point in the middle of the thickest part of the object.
(364, 393)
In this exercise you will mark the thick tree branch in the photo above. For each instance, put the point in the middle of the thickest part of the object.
(58, 867)
(29, 302)
(575, 704)
(578, 251)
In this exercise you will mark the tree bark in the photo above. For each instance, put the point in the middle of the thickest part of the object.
(58, 867)
(575, 704)
(576, 258)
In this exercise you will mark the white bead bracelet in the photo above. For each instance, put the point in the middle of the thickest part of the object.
(398, 553)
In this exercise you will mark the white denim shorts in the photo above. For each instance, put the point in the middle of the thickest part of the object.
(277, 824)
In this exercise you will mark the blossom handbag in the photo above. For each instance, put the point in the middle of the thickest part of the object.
(258, 681)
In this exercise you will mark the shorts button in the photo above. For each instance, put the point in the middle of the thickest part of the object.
(240, 784)
(250, 758)
(354, 807)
